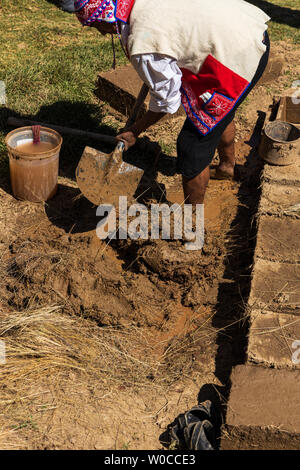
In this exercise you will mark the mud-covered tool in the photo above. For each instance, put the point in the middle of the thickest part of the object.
(103, 177)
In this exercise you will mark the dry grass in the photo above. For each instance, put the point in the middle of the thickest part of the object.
(44, 341)
(46, 346)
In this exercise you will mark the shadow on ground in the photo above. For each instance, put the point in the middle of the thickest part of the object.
(69, 209)
(78, 115)
(279, 14)
(86, 117)
(230, 319)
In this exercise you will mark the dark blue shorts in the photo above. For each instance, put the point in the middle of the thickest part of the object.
(195, 151)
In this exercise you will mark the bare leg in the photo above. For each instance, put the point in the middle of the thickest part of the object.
(194, 189)
(227, 151)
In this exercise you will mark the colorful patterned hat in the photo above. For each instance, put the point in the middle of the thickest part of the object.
(88, 11)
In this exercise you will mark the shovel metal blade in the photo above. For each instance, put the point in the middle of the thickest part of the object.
(91, 177)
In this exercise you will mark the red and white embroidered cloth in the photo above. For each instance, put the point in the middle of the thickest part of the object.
(123, 9)
(211, 94)
(89, 11)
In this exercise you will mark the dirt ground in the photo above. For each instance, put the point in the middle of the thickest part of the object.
(107, 343)
(45, 263)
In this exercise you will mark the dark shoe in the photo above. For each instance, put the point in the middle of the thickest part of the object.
(195, 429)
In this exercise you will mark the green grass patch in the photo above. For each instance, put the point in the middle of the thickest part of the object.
(50, 64)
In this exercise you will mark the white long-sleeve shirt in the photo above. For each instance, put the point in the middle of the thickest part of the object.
(162, 75)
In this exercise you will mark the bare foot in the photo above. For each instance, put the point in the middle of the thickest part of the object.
(222, 172)
(225, 169)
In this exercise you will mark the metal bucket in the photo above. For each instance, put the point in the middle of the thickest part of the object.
(280, 143)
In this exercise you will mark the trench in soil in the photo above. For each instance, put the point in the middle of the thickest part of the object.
(181, 313)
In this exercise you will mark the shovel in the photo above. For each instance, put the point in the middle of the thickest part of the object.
(103, 177)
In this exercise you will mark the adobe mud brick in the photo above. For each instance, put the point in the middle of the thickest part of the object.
(288, 110)
(285, 175)
(272, 71)
(277, 199)
(278, 239)
(271, 340)
(120, 88)
(276, 287)
(263, 409)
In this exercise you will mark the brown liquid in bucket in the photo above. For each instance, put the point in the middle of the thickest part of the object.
(34, 149)
(33, 166)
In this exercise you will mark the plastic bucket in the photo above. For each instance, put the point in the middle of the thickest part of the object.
(33, 176)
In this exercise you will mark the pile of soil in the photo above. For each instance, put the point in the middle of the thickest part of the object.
(56, 258)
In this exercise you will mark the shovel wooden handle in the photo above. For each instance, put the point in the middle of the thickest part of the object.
(117, 154)
(109, 139)
(116, 157)
(15, 122)
(137, 105)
